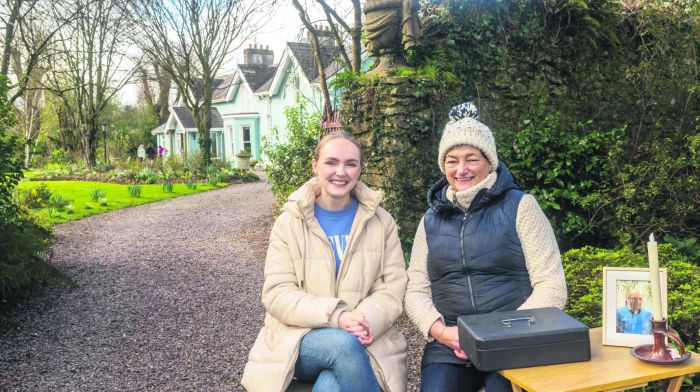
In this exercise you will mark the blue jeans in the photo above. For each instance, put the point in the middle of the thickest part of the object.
(336, 360)
(447, 377)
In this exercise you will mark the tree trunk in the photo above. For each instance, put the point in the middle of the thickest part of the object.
(89, 140)
(9, 37)
(165, 81)
(316, 49)
(27, 155)
(357, 37)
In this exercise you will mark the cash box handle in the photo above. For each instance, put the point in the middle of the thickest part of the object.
(530, 320)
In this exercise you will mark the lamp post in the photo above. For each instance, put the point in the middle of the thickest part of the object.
(104, 125)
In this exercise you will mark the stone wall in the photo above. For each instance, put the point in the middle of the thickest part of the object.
(398, 122)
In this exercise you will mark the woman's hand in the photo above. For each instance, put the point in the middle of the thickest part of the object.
(449, 336)
(357, 325)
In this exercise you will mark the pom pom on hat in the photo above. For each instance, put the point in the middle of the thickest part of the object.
(464, 128)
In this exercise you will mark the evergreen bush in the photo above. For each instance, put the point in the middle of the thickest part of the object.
(288, 165)
(595, 105)
(24, 244)
(584, 277)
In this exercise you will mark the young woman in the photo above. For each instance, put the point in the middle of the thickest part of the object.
(334, 285)
(482, 246)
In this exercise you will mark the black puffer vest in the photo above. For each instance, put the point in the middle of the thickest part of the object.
(475, 260)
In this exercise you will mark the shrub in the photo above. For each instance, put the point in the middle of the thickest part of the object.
(59, 156)
(146, 175)
(566, 164)
(103, 166)
(688, 247)
(288, 164)
(57, 203)
(214, 179)
(97, 194)
(584, 277)
(134, 190)
(24, 244)
(36, 197)
(536, 71)
(168, 186)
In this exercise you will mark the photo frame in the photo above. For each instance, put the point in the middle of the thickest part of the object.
(627, 305)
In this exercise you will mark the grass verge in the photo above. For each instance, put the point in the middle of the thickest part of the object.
(116, 196)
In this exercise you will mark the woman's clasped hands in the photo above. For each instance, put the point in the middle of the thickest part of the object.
(449, 336)
(356, 324)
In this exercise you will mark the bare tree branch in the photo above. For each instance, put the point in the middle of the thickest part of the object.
(190, 40)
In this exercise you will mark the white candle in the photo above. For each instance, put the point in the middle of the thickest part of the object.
(655, 280)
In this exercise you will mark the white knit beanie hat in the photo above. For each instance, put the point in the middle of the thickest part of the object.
(464, 128)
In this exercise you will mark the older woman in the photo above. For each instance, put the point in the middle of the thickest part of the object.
(482, 246)
(334, 285)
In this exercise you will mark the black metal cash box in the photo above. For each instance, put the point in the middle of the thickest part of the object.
(523, 338)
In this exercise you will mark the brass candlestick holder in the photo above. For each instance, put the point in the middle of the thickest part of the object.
(659, 353)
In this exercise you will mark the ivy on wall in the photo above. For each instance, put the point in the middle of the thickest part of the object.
(594, 104)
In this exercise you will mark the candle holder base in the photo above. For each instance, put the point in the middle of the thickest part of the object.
(659, 353)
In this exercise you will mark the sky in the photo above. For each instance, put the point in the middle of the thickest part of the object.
(283, 26)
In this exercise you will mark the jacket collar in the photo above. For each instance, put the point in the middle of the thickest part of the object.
(301, 202)
(438, 201)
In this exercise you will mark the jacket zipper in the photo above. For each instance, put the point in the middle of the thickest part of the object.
(464, 261)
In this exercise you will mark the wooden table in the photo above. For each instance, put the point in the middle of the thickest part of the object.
(610, 369)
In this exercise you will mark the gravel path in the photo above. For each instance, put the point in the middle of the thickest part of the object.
(168, 298)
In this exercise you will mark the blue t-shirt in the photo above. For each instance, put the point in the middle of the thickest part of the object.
(336, 225)
(638, 323)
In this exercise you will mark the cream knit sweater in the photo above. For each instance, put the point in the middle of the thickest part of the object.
(541, 257)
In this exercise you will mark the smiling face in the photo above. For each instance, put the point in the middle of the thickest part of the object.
(635, 301)
(465, 166)
(338, 167)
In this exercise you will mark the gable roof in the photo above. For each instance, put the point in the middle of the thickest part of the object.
(221, 85)
(257, 76)
(187, 121)
(305, 58)
(160, 128)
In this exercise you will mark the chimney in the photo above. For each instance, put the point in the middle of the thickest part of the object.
(325, 36)
(254, 55)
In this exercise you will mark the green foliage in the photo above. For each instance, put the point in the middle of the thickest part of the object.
(584, 277)
(191, 185)
(97, 194)
(59, 156)
(568, 165)
(288, 163)
(214, 179)
(57, 203)
(35, 197)
(103, 201)
(595, 105)
(103, 166)
(82, 205)
(134, 190)
(168, 186)
(24, 244)
(688, 247)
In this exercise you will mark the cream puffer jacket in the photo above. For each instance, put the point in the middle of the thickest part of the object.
(301, 290)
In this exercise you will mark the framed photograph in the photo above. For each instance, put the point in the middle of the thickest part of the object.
(627, 307)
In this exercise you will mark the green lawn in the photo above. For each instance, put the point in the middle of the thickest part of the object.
(117, 197)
